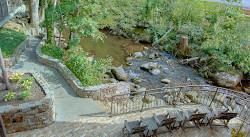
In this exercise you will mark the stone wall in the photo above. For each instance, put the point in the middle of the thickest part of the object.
(31, 115)
(98, 92)
(11, 61)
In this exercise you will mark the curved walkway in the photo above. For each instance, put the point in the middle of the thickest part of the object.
(68, 106)
(70, 109)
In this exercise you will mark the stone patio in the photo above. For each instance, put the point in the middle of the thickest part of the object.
(112, 127)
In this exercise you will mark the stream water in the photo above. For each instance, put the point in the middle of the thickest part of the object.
(120, 48)
(115, 46)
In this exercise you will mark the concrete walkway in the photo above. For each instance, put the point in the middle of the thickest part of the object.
(68, 105)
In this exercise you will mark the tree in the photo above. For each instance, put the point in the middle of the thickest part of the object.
(4, 71)
(34, 16)
(49, 21)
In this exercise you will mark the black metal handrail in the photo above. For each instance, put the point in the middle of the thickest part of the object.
(241, 98)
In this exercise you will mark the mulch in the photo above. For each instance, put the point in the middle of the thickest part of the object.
(36, 92)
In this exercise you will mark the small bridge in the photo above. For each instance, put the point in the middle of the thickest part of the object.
(179, 95)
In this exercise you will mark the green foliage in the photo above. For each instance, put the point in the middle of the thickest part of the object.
(25, 94)
(9, 40)
(16, 77)
(53, 51)
(228, 40)
(90, 73)
(27, 83)
(30, 79)
(215, 30)
(235, 133)
(9, 96)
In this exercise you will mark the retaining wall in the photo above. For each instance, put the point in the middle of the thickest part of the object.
(30, 115)
(11, 61)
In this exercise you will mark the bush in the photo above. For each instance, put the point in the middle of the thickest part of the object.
(227, 40)
(90, 73)
(9, 40)
(25, 94)
(53, 51)
(9, 96)
(27, 83)
(16, 77)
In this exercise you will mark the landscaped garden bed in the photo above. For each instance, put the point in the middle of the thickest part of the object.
(28, 104)
(23, 89)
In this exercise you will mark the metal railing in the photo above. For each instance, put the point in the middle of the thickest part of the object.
(179, 95)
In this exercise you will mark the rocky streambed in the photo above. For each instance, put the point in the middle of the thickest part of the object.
(152, 69)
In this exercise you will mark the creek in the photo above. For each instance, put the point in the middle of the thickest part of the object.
(121, 48)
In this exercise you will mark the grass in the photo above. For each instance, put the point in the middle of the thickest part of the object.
(9, 40)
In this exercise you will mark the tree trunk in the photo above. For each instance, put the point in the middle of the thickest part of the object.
(6, 81)
(42, 11)
(183, 47)
(2, 128)
(49, 22)
(34, 15)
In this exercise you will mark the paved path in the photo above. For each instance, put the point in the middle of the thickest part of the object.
(112, 127)
(68, 105)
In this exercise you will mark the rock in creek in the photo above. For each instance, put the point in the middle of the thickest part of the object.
(120, 74)
(227, 79)
(148, 66)
(167, 81)
(155, 71)
(138, 54)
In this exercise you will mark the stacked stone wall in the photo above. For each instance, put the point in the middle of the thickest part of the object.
(11, 61)
(30, 115)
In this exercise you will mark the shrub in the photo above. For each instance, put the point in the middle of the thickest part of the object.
(53, 51)
(9, 96)
(88, 72)
(16, 77)
(227, 40)
(27, 83)
(25, 94)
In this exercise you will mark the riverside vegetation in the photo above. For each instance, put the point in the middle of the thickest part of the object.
(218, 34)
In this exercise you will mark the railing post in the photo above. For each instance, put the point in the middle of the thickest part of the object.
(145, 93)
(178, 95)
(213, 97)
(2, 127)
(111, 106)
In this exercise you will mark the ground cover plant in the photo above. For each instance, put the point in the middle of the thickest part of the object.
(9, 40)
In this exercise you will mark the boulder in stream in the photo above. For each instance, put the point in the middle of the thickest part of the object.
(227, 79)
(136, 80)
(148, 66)
(154, 55)
(155, 71)
(167, 81)
(120, 74)
(138, 54)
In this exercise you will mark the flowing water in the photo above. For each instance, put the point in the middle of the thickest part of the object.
(120, 48)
